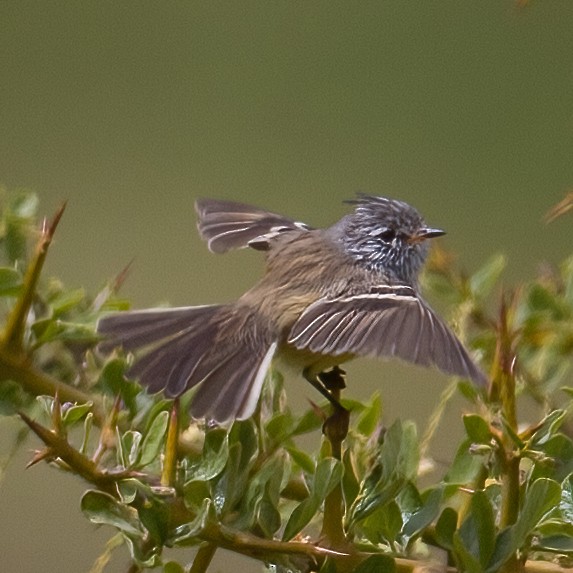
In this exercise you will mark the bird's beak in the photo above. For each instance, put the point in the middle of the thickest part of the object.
(426, 233)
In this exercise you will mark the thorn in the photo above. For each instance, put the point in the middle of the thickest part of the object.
(43, 433)
(39, 456)
(317, 410)
(122, 276)
(51, 228)
(565, 205)
(112, 287)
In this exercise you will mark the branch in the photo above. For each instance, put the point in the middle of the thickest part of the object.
(13, 336)
(59, 448)
(38, 383)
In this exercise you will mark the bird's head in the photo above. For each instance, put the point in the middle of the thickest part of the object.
(387, 236)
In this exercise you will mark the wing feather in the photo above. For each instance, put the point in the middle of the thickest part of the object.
(387, 321)
(227, 225)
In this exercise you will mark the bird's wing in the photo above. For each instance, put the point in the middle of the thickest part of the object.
(227, 225)
(386, 321)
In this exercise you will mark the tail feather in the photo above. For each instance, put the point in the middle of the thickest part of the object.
(232, 388)
(177, 349)
(141, 328)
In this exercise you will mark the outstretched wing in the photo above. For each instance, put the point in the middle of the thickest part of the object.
(386, 321)
(227, 225)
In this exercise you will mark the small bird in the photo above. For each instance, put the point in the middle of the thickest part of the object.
(326, 296)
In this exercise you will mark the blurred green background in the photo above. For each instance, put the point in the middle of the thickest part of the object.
(131, 110)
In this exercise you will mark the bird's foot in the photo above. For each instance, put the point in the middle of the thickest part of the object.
(329, 384)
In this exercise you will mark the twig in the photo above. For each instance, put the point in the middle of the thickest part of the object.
(38, 383)
(59, 448)
(13, 336)
(335, 430)
(203, 558)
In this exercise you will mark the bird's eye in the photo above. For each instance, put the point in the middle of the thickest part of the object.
(386, 234)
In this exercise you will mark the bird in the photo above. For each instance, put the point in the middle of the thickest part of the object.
(327, 295)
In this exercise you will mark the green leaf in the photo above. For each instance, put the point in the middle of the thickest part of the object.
(23, 204)
(556, 544)
(195, 492)
(19, 216)
(128, 448)
(477, 429)
(369, 419)
(483, 281)
(112, 375)
(154, 515)
(302, 459)
(566, 503)
(541, 497)
(425, 515)
(102, 509)
(477, 533)
(328, 475)
(66, 301)
(231, 483)
(242, 451)
(153, 440)
(465, 467)
(88, 424)
(50, 330)
(547, 428)
(560, 449)
(75, 413)
(446, 527)
(556, 534)
(397, 465)
(300, 517)
(268, 515)
(504, 547)
(10, 281)
(187, 534)
(213, 460)
(128, 489)
(245, 433)
(280, 427)
(540, 299)
(308, 422)
(468, 562)
(384, 524)
(350, 483)
(143, 554)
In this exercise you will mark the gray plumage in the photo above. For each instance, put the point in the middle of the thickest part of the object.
(327, 296)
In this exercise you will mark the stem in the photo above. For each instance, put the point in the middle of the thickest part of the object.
(335, 430)
(264, 549)
(13, 367)
(203, 558)
(169, 471)
(59, 448)
(13, 336)
(504, 387)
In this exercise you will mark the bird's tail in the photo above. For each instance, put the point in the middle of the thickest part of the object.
(221, 349)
